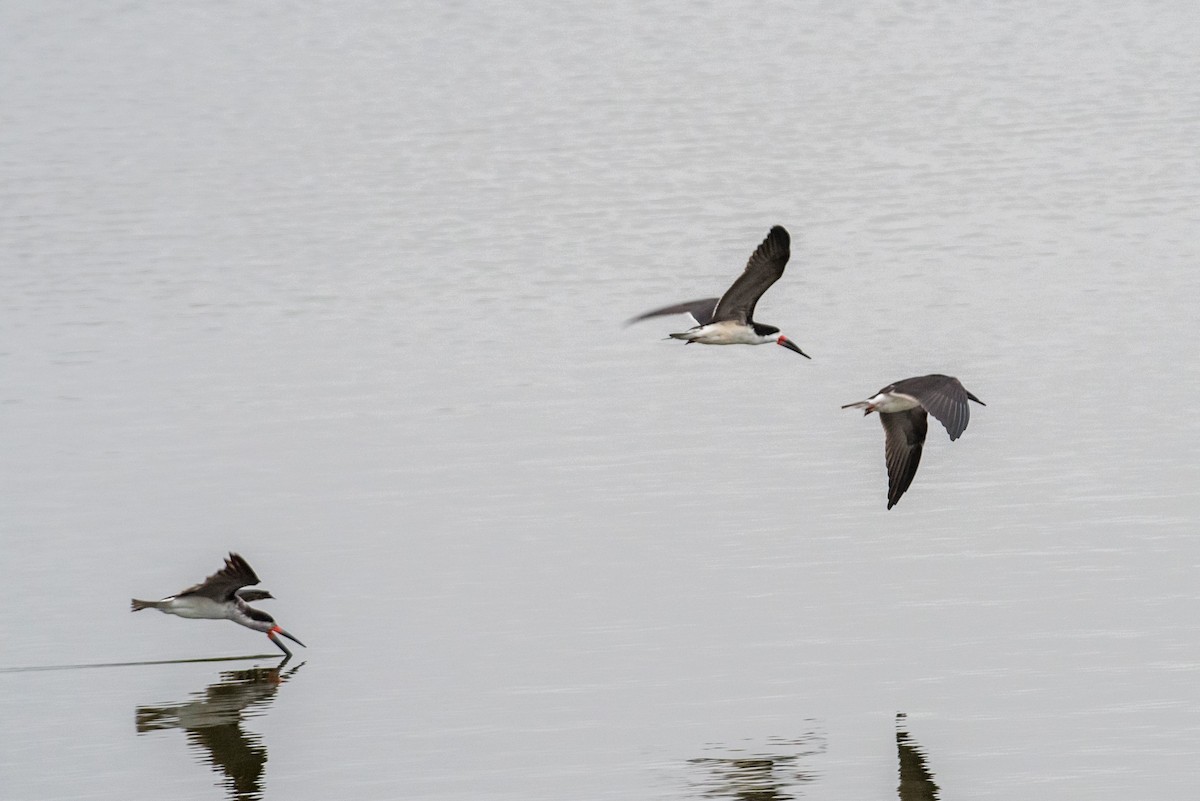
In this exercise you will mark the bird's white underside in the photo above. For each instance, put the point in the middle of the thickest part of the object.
(197, 607)
(892, 402)
(726, 332)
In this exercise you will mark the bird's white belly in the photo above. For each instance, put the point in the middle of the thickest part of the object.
(196, 607)
(724, 332)
(893, 402)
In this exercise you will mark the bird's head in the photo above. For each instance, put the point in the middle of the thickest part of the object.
(261, 621)
(769, 333)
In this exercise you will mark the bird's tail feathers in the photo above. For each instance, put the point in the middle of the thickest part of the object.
(137, 606)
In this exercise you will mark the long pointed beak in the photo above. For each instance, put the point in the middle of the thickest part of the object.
(278, 630)
(790, 345)
(287, 653)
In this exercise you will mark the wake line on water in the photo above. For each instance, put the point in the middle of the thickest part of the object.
(38, 668)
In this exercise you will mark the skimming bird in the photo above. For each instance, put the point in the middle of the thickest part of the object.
(222, 596)
(728, 320)
(902, 408)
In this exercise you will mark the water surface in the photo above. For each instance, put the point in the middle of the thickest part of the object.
(342, 290)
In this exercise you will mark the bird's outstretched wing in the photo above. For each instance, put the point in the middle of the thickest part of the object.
(222, 585)
(764, 268)
(701, 311)
(904, 437)
(942, 396)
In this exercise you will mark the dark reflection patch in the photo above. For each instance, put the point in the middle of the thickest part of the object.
(916, 781)
(212, 720)
(772, 770)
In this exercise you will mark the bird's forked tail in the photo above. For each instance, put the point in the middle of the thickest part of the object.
(137, 606)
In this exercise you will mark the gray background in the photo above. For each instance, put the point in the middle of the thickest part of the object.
(340, 287)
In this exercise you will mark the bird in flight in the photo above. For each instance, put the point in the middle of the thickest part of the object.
(729, 319)
(223, 596)
(903, 408)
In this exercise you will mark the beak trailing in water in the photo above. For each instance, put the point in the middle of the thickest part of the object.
(790, 345)
(282, 647)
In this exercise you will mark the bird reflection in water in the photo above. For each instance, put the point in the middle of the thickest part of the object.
(213, 723)
(916, 782)
(765, 773)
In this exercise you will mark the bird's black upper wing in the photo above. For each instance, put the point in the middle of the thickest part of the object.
(764, 268)
(222, 585)
(942, 396)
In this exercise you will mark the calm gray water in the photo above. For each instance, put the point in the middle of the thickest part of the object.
(341, 288)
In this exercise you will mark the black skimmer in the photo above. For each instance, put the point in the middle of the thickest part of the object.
(902, 408)
(222, 596)
(729, 319)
